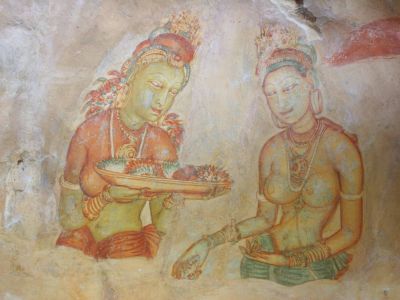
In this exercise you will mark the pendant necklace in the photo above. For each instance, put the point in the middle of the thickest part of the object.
(299, 164)
(129, 151)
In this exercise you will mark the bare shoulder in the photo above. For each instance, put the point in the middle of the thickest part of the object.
(93, 126)
(338, 139)
(340, 147)
(272, 147)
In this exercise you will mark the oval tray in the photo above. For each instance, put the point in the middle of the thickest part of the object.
(159, 184)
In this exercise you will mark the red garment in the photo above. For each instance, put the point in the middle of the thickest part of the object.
(120, 245)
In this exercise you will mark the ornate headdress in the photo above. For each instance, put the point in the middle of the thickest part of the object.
(279, 46)
(175, 42)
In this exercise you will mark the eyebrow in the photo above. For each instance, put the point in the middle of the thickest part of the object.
(158, 74)
(175, 85)
(288, 78)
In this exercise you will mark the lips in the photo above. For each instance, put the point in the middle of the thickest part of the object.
(284, 113)
(156, 111)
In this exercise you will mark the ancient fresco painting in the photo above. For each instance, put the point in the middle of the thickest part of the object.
(125, 155)
(311, 167)
(282, 115)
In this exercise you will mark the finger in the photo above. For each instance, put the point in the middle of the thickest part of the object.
(175, 272)
(197, 273)
(243, 250)
(167, 203)
(248, 245)
(260, 255)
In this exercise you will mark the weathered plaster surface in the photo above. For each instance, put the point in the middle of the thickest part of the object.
(50, 53)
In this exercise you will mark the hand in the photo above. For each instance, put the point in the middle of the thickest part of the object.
(214, 193)
(174, 200)
(219, 191)
(188, 266)
(123, 194)
(253, 251)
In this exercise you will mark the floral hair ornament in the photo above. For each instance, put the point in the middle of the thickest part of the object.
(279, 46)
(175, 42)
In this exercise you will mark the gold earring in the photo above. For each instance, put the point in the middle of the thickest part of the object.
(120, 101)
(316, 101)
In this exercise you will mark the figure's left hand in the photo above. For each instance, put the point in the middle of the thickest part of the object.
(253, 251)
(174, 200)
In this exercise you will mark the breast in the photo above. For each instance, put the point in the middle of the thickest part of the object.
(321, 190)
(277, 190)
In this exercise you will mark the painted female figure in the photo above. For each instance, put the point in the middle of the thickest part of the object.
(306, 171)
(127, 118)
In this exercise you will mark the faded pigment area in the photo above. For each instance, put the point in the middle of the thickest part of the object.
(51, 52)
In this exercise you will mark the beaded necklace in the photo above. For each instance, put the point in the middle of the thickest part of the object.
(129, 151)
(299, 164)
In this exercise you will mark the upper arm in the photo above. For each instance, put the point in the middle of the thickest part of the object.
(266, 208)
(348, 163)
(160, 146)
(265, 162)
(76, 158)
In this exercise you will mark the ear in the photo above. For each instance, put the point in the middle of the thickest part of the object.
(316, 101)
(120, 100)
(310, 79)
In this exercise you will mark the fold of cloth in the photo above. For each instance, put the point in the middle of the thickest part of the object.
(120, 245)
(81, 239)
(330, 268)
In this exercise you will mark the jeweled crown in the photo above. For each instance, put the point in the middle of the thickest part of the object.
(279, 43)
(186, 25)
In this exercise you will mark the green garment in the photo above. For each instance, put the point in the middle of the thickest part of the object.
(330, 268)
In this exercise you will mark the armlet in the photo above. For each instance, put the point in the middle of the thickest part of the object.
(351, 197)
(68, 185)
(260, 197)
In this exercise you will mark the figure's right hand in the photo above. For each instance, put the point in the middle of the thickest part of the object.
(123, 194)
(188, 266)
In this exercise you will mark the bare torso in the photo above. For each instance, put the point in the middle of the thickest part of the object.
(304, 213)
(90, 145)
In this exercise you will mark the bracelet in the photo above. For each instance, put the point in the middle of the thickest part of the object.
(230, 233)
(305, 257)
(297, 259)
(316, 253)
(92, 206)
(351, 197)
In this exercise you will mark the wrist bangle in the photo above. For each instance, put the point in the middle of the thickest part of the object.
(318, 252)
(92, 206)
(68, 185)
(105, 194)
(230, 233)
(351, 197)
(297, 259)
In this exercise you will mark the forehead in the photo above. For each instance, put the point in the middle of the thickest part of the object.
(282, 75)
(163, 71)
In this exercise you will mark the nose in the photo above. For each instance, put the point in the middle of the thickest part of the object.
(283, 101)
(161, 99)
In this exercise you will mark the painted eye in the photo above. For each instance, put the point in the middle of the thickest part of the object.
(289, 87)
(271, 93)
(156, 84)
